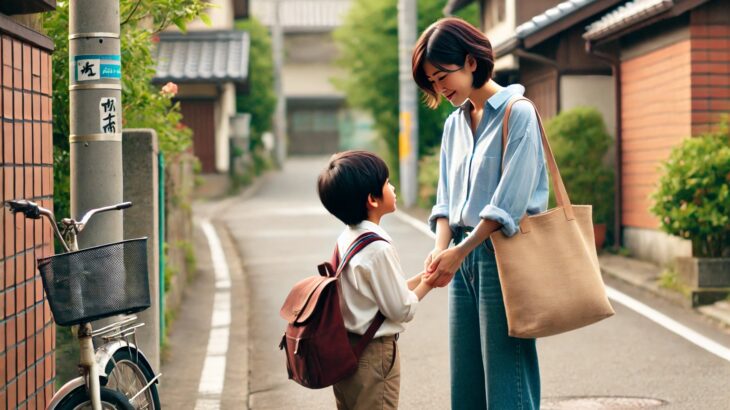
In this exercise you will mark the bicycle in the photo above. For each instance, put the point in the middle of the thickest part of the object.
(115, 375)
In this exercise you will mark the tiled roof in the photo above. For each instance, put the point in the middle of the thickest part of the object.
(626, 15)
(302, 15)
(202, 56)
(551, 16)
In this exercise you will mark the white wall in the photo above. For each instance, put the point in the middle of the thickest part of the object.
(590, 90)
(655, 246)
(225, 107)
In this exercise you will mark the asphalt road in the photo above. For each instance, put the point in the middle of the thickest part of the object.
(280, 233)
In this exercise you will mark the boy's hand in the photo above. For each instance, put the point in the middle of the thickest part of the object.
(443, 267)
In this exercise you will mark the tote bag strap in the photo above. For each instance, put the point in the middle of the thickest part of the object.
(561, 195)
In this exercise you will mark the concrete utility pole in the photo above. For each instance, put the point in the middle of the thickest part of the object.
(408, 136)
(277, 39)
(95, 94)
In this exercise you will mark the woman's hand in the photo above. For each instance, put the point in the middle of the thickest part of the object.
(433, 254)
(443, 266)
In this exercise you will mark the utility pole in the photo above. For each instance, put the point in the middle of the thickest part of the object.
(95, 94)
(408, 135)
(280, 113)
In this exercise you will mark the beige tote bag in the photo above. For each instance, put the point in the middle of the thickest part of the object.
(551, 281)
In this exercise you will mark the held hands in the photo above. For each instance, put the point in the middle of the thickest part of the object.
(443, 265)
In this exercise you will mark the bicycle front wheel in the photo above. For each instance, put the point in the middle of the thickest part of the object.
(78, 399)
(128, 374)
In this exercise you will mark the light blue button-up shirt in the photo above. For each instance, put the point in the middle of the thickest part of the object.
(471, 184)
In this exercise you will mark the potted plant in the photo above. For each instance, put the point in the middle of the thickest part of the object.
(692, 201)
(580, 142)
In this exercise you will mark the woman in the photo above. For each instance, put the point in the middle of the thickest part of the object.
(475, 197)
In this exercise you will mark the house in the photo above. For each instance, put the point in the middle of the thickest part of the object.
(674, 60)
(318, 121)
(27, 331)
(210, 65)
(616, 56)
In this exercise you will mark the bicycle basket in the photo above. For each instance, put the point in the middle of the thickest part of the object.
(97, 282)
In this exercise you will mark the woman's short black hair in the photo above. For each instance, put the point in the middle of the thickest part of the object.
(347, 181)
(449, 41)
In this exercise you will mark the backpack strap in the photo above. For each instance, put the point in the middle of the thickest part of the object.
(357, 245)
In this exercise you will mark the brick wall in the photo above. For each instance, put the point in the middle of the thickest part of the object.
(27, 333)
(653, 122)
(710, 34)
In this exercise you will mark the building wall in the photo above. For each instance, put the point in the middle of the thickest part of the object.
(652, 123)
(27, 333)
(710, 47)
(225, 108)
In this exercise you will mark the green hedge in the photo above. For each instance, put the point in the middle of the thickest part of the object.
(693, 196)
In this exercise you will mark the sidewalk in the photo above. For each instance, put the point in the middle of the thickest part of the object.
(645, 276)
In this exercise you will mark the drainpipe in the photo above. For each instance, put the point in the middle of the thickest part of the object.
(519, 52)
(615, 65)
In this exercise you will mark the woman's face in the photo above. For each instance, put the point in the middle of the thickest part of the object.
(455, 84)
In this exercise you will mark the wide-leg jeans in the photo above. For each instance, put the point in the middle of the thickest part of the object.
(489, 369)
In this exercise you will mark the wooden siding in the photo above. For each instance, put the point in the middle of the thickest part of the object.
(198, 115)
(656, 115)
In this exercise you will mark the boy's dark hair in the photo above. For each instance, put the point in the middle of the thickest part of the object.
(449, 41)
(347, 181)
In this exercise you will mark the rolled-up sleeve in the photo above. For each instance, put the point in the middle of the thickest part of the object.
(523, 161)
(390, 289)
(441, 208)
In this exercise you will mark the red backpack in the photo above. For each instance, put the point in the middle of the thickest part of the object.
(318, 352)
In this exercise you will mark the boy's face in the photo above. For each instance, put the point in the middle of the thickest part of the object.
(388, 201)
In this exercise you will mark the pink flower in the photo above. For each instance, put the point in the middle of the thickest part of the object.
(169, 89)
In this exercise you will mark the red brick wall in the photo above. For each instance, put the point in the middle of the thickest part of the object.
(710, 34)
(27, 332)
(656, 115)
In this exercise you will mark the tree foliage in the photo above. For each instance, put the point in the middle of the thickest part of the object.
(368, 43)
(260, 101)
(692, 199)
(143, 105)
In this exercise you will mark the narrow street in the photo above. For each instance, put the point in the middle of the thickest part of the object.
(277, 233)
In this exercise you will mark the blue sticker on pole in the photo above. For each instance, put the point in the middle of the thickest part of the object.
(98, 67)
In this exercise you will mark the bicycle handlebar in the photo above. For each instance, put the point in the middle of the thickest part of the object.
(28, 208)
(34, 211)
(87, 216)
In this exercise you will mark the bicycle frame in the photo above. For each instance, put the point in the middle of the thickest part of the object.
(84, 331)
(102, 356)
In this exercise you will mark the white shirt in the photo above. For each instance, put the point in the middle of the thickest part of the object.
(372, 281)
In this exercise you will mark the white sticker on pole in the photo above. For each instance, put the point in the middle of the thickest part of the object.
(97, 67)
(108, 115)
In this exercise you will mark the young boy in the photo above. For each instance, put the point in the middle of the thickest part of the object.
(355, 188)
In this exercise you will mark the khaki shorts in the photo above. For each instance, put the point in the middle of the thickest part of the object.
(376, 384)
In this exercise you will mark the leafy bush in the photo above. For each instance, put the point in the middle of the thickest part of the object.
(693, 196)
(579, 141)
(260, 101)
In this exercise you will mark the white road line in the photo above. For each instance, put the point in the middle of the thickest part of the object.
(631, 303)
(213, 375)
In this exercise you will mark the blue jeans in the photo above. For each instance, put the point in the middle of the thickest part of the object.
(489, 369)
